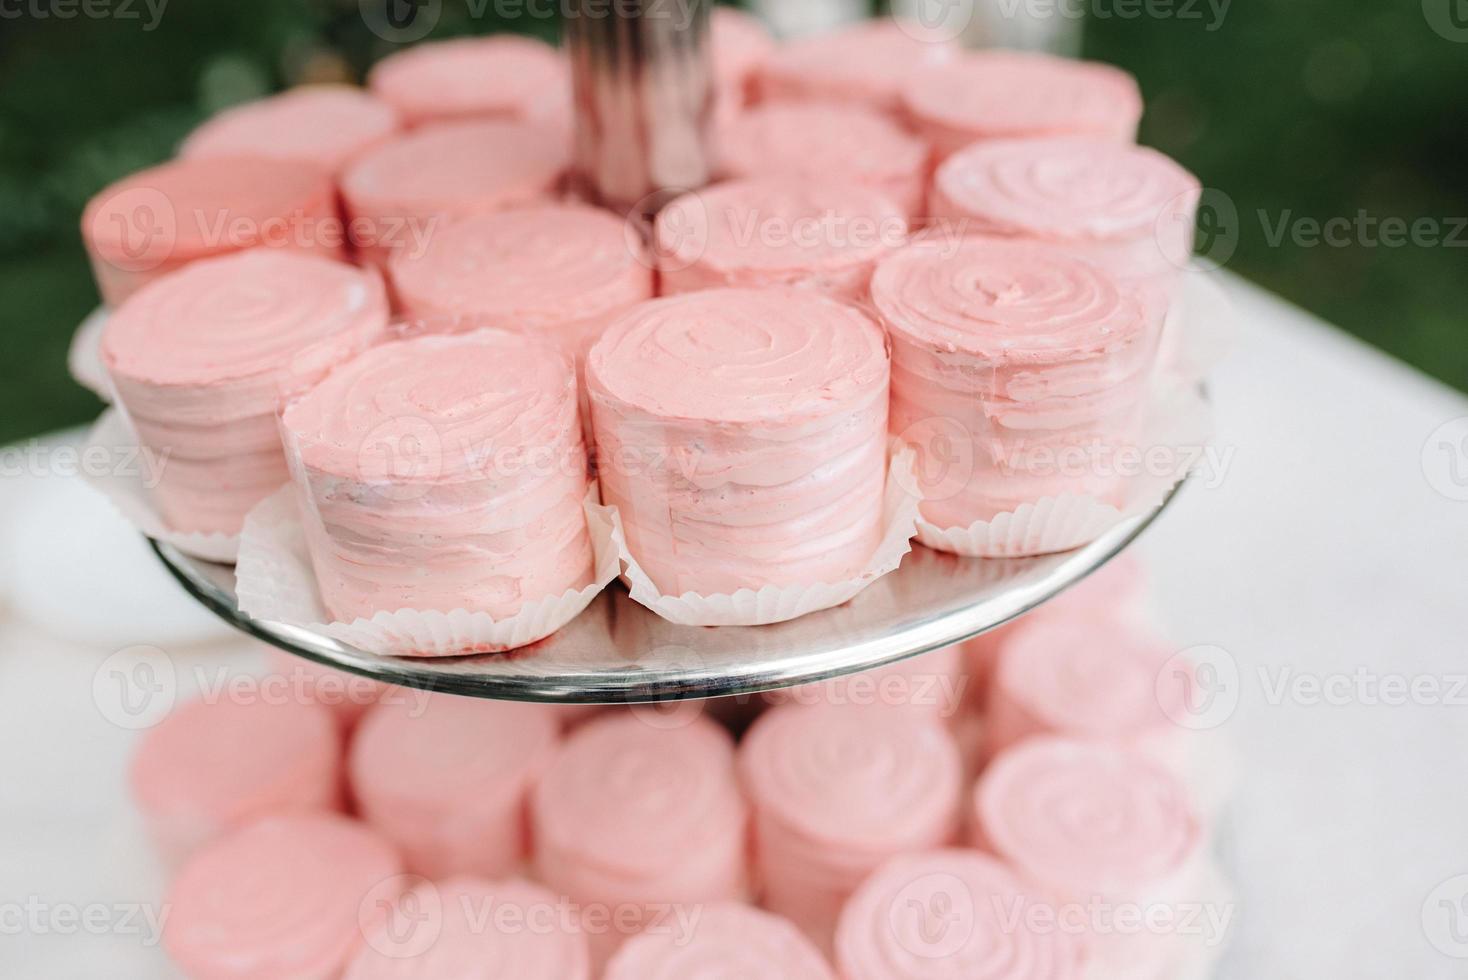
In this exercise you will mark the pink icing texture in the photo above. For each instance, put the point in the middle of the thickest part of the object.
(777, 232)
(322, 125)
(866, 64)
(1000, 94)
(202, 359)
(635, 813)
(443, 472)
(447, 780)
(952, 913)
(1009, 360)
(287, 896)
(499, 77)
(213, 766)
(837, 791)
(473, 929)
(825, 142)
(740, 45)
(160, 219)
(406, 191)
(562, 271)
(742, 435)
(730, 940)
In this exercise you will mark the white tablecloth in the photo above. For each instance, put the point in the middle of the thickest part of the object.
(1326, 554)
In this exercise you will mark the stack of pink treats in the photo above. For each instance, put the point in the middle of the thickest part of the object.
(860, 830)
(904, 233)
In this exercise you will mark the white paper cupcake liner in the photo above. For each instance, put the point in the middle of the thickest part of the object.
(84, 356)
(1178, 418)
(122, 481)
(774, 603)
(274, 581)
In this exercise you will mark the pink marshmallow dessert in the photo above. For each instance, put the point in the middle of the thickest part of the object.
(447, 779)
(1126, 209)
(826, 142)
(474, 929)
(443, 472)
(739, 46)
(1011, 94)
(742, 435)
(406, 191)
(941, 914)
(633, 814)
(500, 77)
(158, 220)
(326, 126)
(202, 359)
(560, 271)
(1020, 356)
(287, 896)
(213, 766)
(729, 940)
(777, 232)
(837, 791)
(866, 63)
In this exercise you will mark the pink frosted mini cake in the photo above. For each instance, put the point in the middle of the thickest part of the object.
(562, 271)
(447, 779)
(1125, 209)
(212, 766)
(1027, 367)
(838, 790)
(287, 896)
(402, 194)
(1004, 94)
(777, 231)
(499, 77)
(323, 125)
(952, 913)
(823, 142)
(742, 434)
(201, 360)
(866, 63)
(633, 814)
(443, 473)
(468, 928)
(729, 940)
(160, 219)
(740, 45)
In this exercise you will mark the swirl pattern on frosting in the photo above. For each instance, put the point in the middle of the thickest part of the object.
(742, 435)
(997, 94)
(777, 232)
(211, 766)
(324, 125)
(864, 63)
(461, 454)
(501, 77)
(825, 142)
(730, 940)
(563, 270)
(448, 781)
(452, 928)
(1089, 820)
(280, 898)
(951, 913)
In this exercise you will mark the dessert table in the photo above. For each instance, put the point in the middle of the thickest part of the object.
(1322, 557)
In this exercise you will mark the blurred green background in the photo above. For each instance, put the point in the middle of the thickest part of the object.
(1307, 109)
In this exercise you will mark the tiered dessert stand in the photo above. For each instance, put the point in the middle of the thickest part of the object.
(641, 80)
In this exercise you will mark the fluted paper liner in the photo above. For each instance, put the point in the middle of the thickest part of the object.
(84, 356)
(274, 581)
(778, 603)
(1178, 417)
(130, 497)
